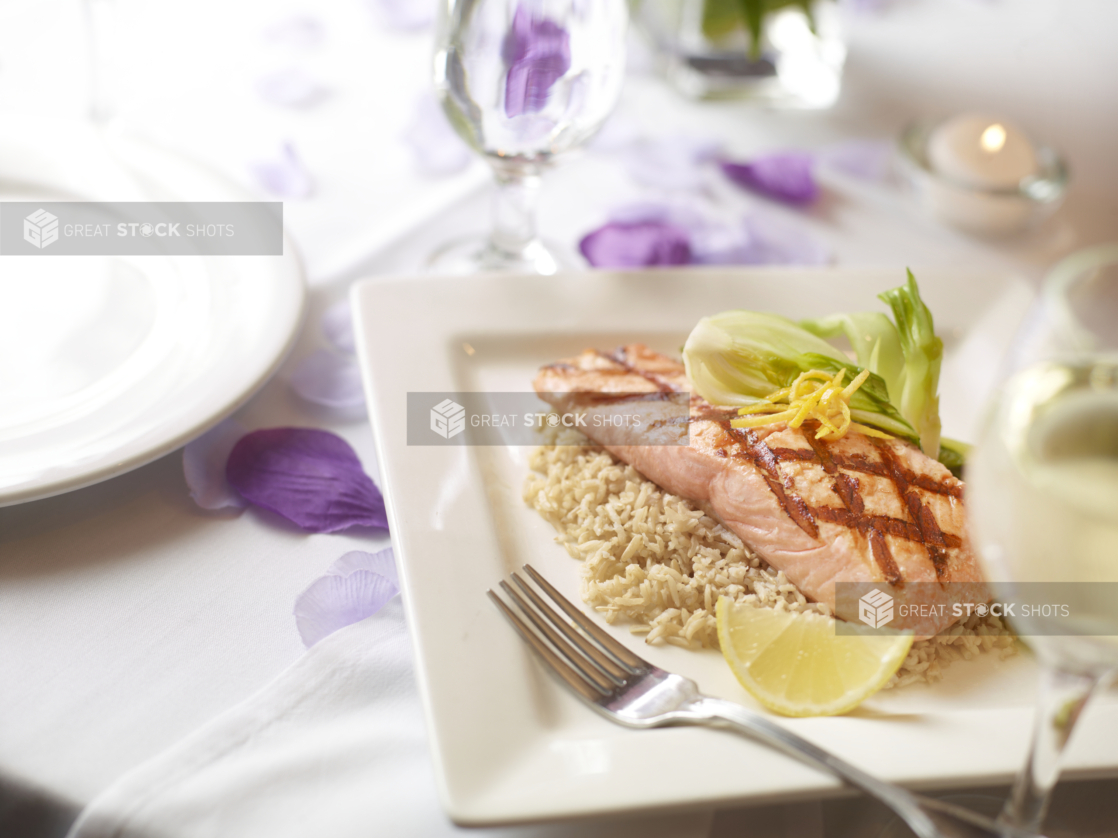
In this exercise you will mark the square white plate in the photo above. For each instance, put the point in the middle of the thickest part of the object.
(511, 744)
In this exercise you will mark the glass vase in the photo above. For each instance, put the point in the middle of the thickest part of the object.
(706, 52)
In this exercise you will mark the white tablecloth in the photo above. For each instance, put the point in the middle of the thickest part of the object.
(135, 627)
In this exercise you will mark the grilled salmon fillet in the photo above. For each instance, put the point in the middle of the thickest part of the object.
(858, 509)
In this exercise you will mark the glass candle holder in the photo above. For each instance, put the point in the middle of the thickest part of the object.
(705, 50)
(992, 208)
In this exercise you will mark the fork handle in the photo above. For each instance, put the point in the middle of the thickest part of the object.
(741, 720)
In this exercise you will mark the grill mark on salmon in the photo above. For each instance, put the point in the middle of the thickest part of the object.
(792, 504)
(619, 357)
(803, 455)
(926, 531)
(703, 412)
(846, 487)
(929, 484)
(931, 535)
(819, 448)
(855, 463)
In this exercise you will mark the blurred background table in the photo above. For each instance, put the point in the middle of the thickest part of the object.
(129, 618)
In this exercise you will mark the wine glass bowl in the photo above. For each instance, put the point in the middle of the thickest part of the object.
(1042, 496)
(522, 81)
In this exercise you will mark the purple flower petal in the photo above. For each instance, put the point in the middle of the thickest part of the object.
(759, 238)
(299, 31)
(311, 477)
(864, 159)
(333, 602)
(282, 174)
(670, 162)
(382, 562)
(704, 228)
(358, 591)
(329, 379)
(203, 466)
(537, 52)
(437, 148)
(637, 244)
(291, 87)
(786, 177)
(725, 243)
(337, 325)
(404, 15)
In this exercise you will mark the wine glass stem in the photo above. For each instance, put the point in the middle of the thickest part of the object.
(514, 208)
(1062, 698)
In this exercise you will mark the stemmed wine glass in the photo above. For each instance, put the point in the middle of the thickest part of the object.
(522, 81)
(1042, 494)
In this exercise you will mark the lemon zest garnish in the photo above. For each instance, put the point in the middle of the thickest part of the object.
(764, 407)
(853, 386)
(868, 431)
(813, 395)
(778, 395)
(758, 421)
(808, 406)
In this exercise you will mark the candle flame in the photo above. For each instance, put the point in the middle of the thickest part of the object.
(993, 138)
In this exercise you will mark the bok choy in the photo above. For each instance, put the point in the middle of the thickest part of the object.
(737, 358)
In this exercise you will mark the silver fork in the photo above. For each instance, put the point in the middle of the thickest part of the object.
(629, 690)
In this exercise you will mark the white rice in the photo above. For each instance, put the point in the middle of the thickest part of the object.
(656, 561)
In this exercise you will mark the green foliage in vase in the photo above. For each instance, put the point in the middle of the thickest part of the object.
(721, 17)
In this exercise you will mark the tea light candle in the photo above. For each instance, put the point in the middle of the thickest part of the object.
(982, 152)
(982, 174)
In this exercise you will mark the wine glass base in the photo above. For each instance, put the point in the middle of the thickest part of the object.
(984, 804)
(479, 255)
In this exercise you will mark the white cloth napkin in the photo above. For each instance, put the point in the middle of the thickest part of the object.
(335, 746)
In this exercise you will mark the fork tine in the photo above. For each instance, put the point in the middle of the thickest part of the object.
(574, 680)
(633, 662)
(616, 673)
(577, 661)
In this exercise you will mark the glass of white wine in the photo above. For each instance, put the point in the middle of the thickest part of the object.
(523, 81)
(1042, 495)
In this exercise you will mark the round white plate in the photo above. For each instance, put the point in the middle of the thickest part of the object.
(107, 363)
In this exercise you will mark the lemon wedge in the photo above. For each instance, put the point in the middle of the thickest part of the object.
(795, 664)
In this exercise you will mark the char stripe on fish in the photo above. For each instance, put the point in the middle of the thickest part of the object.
(762, 457)
(931, 535)
(871, 526)
(823, 454)
(864, 466)
(619, 357)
